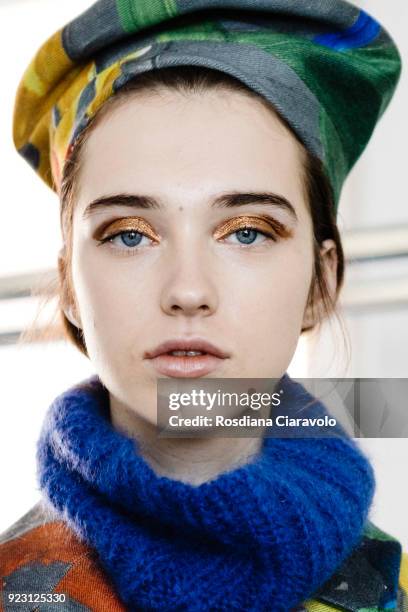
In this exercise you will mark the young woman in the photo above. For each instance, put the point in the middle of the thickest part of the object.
(198, 152)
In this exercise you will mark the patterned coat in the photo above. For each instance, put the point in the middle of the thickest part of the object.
(42, 559)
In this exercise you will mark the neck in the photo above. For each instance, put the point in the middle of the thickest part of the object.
(190, 460)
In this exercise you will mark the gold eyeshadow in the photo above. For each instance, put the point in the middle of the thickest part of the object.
(264, 223)
(129, 224)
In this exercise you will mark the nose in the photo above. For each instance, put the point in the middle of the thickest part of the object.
(190, 285)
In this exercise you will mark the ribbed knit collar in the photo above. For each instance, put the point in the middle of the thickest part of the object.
(262, 536)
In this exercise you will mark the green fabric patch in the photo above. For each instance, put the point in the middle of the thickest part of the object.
(136, 15)
(375, 533)
(205, 30)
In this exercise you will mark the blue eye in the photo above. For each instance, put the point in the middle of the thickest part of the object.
(131, 238)
(127, 235)
(247, 236)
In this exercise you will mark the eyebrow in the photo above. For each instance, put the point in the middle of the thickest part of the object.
(227, 200)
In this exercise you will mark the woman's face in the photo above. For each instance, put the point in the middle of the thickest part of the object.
(212, 242)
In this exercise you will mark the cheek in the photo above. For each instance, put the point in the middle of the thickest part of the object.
(266, 307)
(112, 302)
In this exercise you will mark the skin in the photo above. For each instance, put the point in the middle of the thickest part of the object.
(184, 279)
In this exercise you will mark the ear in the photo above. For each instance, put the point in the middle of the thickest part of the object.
(72, 317)
(314, 310)
(67, 297)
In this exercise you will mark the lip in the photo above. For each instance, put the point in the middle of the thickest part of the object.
(185, 366)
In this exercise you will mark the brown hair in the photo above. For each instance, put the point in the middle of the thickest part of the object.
(192, 79)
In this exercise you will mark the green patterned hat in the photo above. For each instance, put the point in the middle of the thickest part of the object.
(327, 67)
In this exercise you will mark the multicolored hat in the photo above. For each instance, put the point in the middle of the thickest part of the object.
(327, 67)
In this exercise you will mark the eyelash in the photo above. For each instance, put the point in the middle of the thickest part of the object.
(271, 234)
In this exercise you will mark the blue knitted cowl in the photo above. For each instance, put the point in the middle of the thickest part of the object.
(260, 537)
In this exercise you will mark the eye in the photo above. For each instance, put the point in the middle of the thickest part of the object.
(127, 235)
(129, 239)
(250, 230)
(248, 235)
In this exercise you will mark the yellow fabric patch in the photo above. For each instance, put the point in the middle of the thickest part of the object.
(317, 606)
(403, 577)
(32, 81)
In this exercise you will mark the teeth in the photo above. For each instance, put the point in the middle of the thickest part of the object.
(186, 353)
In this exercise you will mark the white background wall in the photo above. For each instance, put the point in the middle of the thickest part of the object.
(32, 376)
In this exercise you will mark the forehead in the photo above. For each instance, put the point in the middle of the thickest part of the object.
(179, 144)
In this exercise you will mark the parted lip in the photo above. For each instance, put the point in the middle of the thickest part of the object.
(185, 344)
